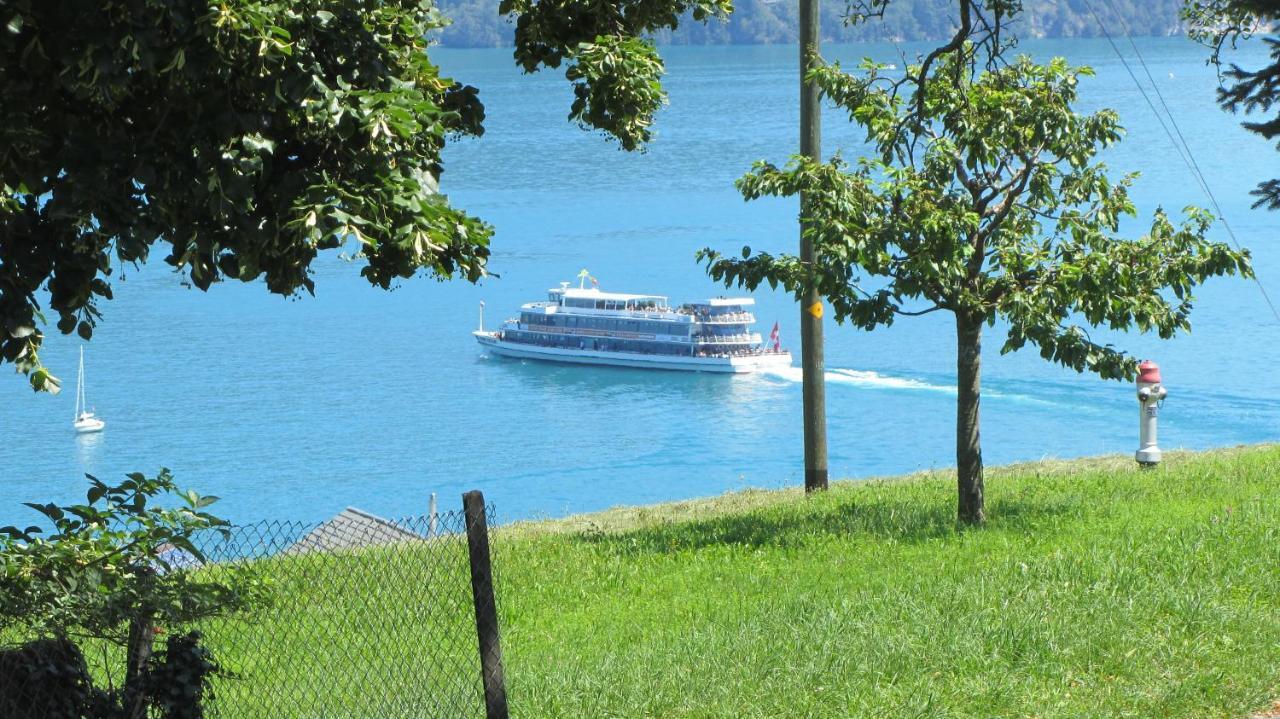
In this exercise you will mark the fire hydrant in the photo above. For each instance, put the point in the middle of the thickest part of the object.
(1150, 396)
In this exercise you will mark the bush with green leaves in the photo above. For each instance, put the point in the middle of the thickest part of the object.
(97, 565)
(111, 569)
(178, 684)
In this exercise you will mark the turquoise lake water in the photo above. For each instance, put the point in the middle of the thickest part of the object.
(297, 408)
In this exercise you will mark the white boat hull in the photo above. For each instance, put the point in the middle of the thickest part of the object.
(732, 365)
(85, 426)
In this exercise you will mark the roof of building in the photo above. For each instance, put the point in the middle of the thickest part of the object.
(352, 528)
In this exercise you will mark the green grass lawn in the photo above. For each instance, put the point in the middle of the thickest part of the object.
(1095, 590)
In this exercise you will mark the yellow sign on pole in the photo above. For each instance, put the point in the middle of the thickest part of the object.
(815, 309)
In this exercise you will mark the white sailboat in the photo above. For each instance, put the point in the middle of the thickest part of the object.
(85, 421)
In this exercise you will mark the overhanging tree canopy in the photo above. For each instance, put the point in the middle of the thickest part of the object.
(246, 136)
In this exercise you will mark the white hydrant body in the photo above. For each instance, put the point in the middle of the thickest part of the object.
(1151, 394)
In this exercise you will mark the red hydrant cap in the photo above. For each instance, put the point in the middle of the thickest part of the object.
(1148, 371)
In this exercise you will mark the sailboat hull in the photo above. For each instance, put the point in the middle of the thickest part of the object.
(88, 425)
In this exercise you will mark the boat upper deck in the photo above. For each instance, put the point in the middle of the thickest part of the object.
(583, 301)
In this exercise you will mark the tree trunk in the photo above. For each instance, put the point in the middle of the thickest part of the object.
(968, 405)
(142, 636)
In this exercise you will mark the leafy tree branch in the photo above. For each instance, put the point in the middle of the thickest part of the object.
(1221, 25)
(614, 66)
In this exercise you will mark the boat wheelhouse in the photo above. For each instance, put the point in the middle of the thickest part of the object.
(587, 326)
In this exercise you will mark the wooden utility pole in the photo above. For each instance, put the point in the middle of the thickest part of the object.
(811, 360)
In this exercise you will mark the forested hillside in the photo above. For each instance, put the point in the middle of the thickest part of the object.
(476, 23)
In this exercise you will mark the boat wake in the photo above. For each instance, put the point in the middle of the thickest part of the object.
(874, 380)
(862, 378)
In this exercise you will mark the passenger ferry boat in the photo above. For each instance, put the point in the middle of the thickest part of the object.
(588, 326)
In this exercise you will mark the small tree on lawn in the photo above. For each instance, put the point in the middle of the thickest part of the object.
(983, 199)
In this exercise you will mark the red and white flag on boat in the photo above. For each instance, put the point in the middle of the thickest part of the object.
(774, 338)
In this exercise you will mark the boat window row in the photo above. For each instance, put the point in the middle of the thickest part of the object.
(718, 331)
(641, 305)
(750, 338)
(597, 344)
(727, 313)
(725, 317)
(603, 324)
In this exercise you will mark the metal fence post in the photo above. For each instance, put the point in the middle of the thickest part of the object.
(495, 692)
(433, 517)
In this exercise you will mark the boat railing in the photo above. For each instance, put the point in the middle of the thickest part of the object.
(667, 315)
(740, 352)
(711, 339)
(724, 318)
(598, 334)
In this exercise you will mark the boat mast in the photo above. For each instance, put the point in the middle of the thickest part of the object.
(80, 383)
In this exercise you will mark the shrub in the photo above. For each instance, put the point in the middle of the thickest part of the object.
(113, 569)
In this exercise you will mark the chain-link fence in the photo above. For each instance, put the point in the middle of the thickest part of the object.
(354, 617)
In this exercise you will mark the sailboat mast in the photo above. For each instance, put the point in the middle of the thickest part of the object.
(80, 384)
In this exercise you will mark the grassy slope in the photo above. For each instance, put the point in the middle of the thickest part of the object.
(1095, 591)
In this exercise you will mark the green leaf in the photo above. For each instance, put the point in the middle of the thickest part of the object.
(96, 493)
(43, 381)
(51, 511)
